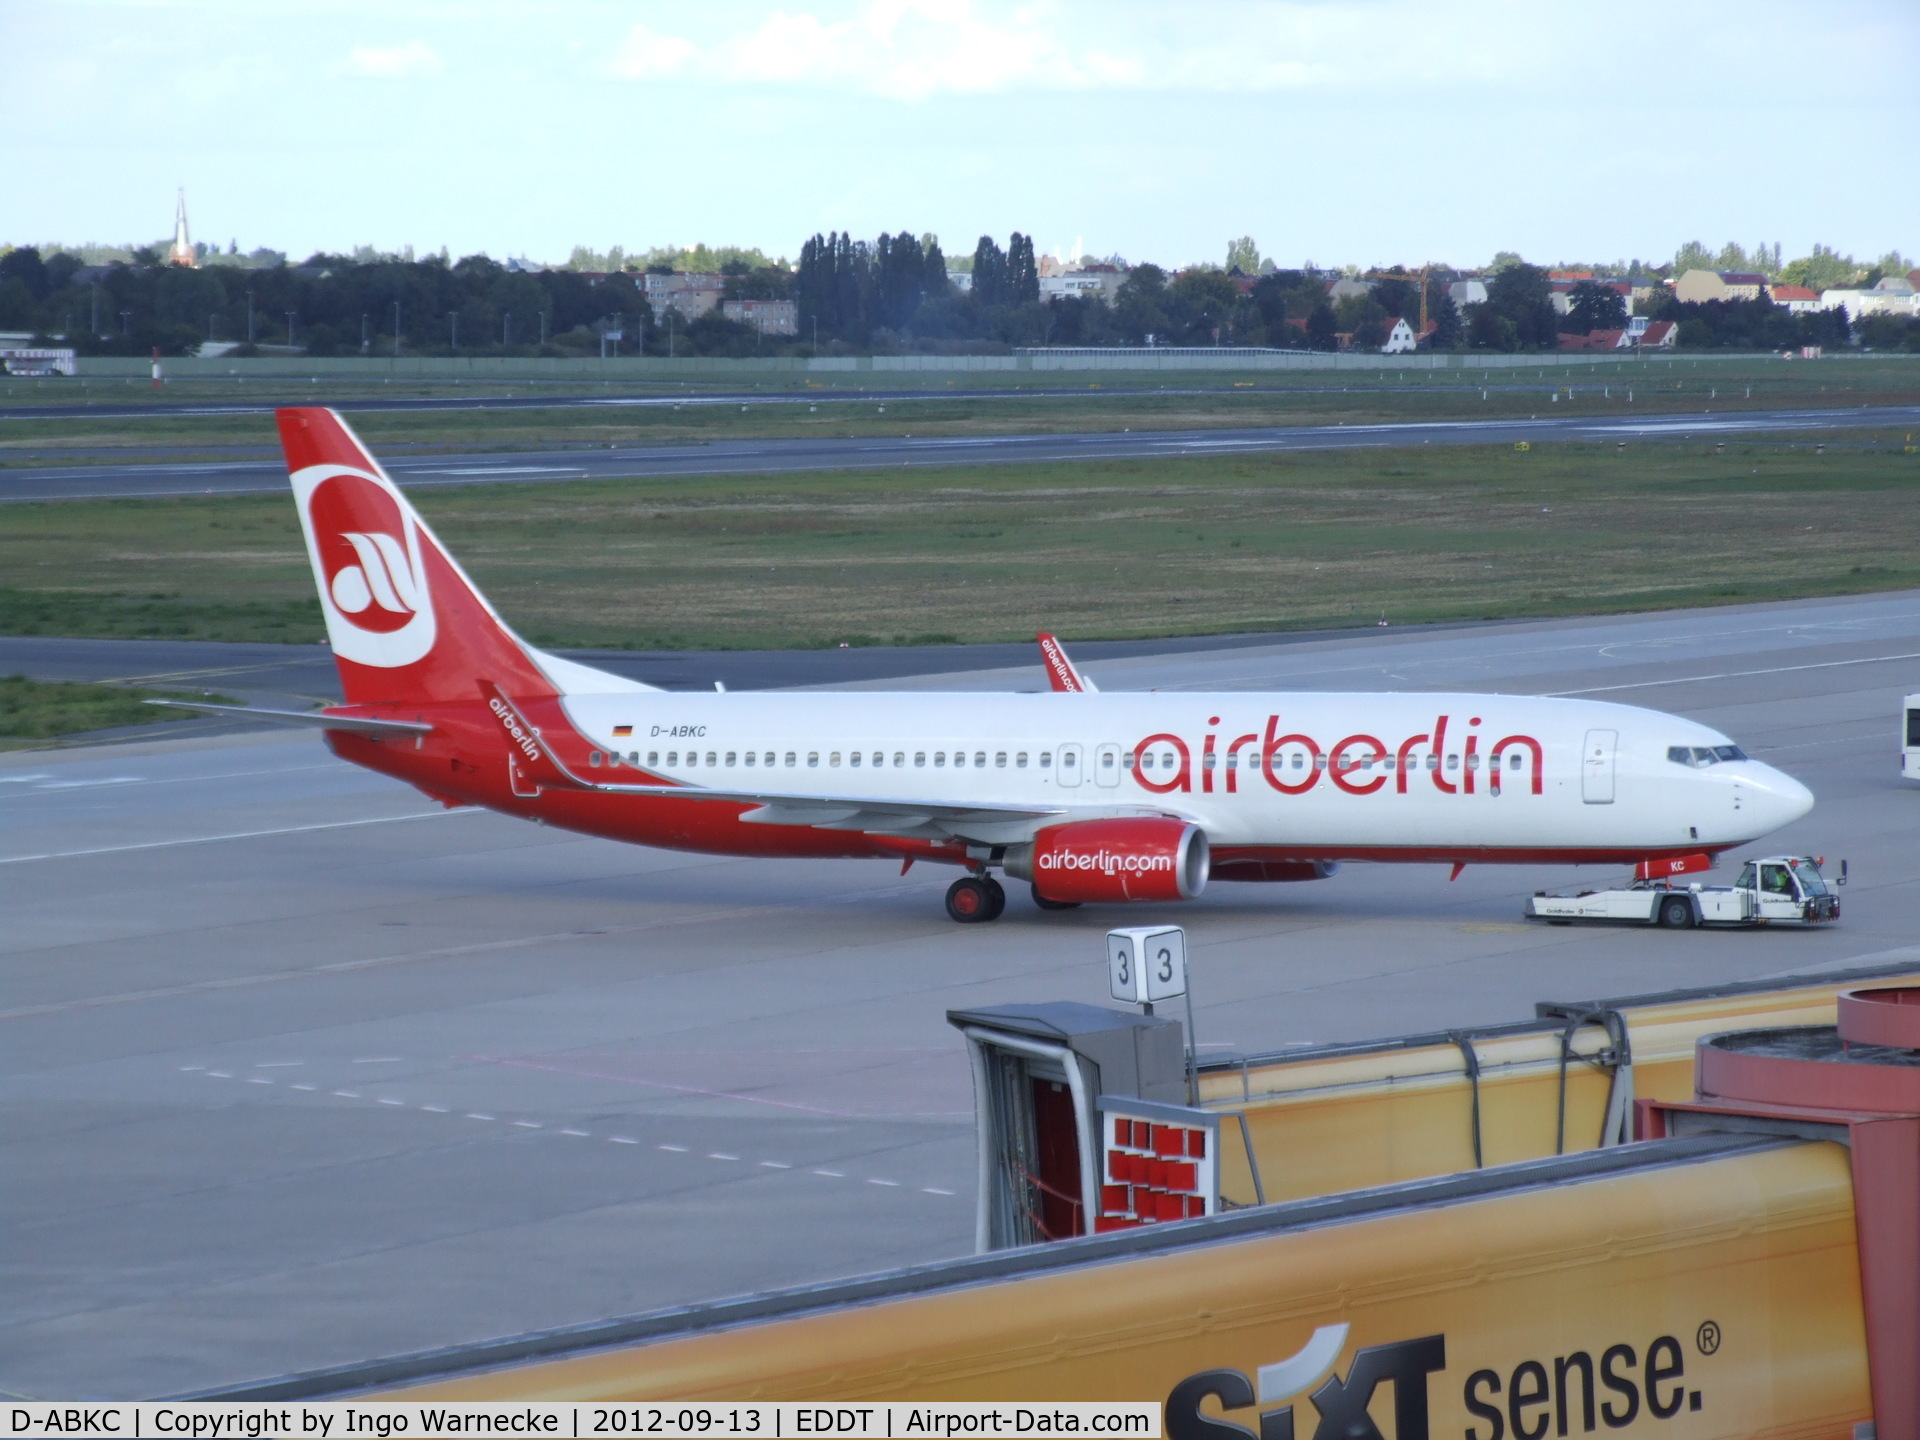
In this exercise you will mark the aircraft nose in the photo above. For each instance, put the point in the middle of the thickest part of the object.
(1776, 798)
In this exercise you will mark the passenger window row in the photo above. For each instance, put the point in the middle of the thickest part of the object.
(853, 759)
(1696, 756)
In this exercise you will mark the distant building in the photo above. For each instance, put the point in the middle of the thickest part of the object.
(1594, 340)
(1560, 292)
(181, 252)
(1660, 335)
(1894, 296)
(1346, 289)
(1102, 283)
(1641, 287)
(692, 293)
(961, 280)
(1797, 298)
(769, 317)
(1696, 287)
(24, 360)
(1468, 292)
(1400, 339)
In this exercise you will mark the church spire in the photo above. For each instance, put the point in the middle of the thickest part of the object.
(181, 252)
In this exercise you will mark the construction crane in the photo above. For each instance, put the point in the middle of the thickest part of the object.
(1419, 275)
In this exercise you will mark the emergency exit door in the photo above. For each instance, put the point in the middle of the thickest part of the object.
(1596, 767)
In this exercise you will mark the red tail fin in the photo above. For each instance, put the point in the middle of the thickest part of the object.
(1061, 674)
(405, 622)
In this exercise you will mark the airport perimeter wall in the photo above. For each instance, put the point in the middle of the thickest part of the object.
(630, 369)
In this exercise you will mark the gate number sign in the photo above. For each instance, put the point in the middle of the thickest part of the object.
(1146, 964)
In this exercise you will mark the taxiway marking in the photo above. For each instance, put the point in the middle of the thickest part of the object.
(235, 835)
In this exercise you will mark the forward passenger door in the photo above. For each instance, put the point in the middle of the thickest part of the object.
(1596, 767)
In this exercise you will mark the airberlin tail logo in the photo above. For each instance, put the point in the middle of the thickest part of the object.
(379, 592)
(366, 551)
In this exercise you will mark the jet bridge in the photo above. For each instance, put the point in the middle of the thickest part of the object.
(1650, 1213)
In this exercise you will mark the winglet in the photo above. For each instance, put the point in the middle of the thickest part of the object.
(1061, 676)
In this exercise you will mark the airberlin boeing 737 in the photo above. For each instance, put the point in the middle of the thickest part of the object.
(1087, 797)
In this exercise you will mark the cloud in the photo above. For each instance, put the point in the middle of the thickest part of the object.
(918, 49)
(645, 55)
(899, 49)
(393, 62)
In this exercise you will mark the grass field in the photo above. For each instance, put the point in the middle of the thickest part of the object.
(1105, 549)
(31, 711)
(949, 406)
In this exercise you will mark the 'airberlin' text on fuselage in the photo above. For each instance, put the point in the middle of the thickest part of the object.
(510, 722)
(1359, 764)
(1107, 862)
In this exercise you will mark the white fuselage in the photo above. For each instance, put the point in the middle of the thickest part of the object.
(1348, 775)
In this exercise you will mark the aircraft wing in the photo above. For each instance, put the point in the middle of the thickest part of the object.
(985, 823)
(312, 719)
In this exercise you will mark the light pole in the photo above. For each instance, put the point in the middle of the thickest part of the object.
(126, 324)
(250, 317)
(506, 329)
(366, 344)
(543, 329)
(396, 329)
(453, 342)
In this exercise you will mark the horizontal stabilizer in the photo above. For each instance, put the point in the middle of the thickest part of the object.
(311, 719)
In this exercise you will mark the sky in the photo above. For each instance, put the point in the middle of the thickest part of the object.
(1333, 131)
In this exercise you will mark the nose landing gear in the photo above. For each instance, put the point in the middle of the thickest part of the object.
(975, 899)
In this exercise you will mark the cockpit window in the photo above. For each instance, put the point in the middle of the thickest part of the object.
(1699, 757)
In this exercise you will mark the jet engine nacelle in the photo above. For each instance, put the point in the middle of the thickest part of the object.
(1106, 860)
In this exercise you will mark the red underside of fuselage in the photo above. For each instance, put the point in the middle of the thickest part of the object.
(710, 826)
(442, 767)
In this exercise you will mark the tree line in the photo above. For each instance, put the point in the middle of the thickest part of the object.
(335, 305)
(895, 293)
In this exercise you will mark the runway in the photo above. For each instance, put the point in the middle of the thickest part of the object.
(265, 474)
(301, 1069)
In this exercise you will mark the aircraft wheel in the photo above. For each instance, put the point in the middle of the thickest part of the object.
(998, 895)
(970, 902)
(1676, 913)
(1045, 904)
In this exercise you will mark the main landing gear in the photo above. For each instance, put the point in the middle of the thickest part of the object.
(973, 899)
